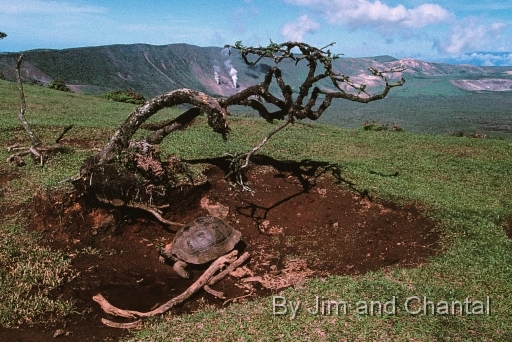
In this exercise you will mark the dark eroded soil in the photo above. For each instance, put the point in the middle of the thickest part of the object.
(294, 214)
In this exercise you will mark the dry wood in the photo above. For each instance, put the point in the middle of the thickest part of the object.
(155, 212)
(233, 266)
(131, 325)
(198, 284)
(33, 137)
(17, 159)
(64, 131)
(237, 167)
(215, 293)
(180, 123)
(37, 152)
(15, 147)
(205, 103)
(150, 209)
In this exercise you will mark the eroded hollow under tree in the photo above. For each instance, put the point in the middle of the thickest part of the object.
(299, 223)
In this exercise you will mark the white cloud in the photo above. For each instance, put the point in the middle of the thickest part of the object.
(296, 30)
(483, 58)
(361, 13)
(46, 7)
(468, 35)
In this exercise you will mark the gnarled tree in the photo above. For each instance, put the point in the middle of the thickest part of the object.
(110, 175)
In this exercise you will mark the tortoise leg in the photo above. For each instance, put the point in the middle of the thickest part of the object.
(179, 267)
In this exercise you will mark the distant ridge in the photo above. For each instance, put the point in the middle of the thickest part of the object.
(152, 70)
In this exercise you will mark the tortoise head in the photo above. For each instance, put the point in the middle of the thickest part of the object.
(166, 251)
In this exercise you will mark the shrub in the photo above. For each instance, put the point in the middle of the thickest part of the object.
(128, 96)
(58, 84)
(377, 126)
(463, 134)
(374, 126)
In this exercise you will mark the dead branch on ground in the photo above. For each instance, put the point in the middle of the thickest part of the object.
(38, 152)
(206, 279)
(33, 137)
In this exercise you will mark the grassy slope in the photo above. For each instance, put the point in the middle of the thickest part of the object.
(106, 68)
(411, 107)
(464, 183)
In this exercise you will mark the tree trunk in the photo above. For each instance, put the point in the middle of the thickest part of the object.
(204, 103)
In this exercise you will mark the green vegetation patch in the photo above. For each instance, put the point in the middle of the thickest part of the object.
(28, 273)
(464, 184)
(128, 96)
(59, 85)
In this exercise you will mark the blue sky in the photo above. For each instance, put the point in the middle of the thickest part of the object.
(470, 31)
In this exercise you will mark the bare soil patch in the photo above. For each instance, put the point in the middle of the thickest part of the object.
(4, 178)
(297, 224)
(508, 228)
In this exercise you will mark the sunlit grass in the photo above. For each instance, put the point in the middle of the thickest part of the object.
(28, 273)
(464, 184)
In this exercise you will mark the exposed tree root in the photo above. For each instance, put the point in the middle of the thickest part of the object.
(215, 293)
(131, 325)
(155, 212)
(206, 279)
(232, 266)
(150, 209)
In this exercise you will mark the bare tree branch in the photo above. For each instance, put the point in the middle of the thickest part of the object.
(301, 107)
(33, 137)
(237, 167)
(181, 122)
(320, 87)
(37, 151)
(254, 96)
(207, 278)
(207, 104)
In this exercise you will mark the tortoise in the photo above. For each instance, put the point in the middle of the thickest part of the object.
(200, 241)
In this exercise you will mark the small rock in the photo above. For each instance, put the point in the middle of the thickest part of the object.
(59, 333)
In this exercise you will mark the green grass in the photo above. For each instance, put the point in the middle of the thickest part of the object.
(464, 184)
(431, 106)
(28, 273)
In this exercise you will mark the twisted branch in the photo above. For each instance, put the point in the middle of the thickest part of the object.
(206, 279)
(37, 151)
(288, 108)
(33, 137)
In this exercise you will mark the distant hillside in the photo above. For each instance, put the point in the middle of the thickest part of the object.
(152, 70)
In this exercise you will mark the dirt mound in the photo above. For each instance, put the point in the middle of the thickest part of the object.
(296, 224)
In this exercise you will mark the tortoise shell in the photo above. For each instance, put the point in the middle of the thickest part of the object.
(204, 239)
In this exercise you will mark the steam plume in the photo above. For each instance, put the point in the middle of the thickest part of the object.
(216, 71)
(232, 72)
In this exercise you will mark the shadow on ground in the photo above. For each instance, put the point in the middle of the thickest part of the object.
(298, 223)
